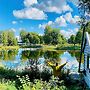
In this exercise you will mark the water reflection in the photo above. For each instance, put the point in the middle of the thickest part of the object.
(8, 54)
(22, 58)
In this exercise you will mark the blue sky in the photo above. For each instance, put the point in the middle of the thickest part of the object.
(34, 15)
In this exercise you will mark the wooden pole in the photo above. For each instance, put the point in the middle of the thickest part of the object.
(81, 48)
(83, 36)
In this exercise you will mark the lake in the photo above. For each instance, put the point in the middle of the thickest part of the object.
(22, 58)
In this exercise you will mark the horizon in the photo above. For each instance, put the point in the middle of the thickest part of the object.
(34, 15)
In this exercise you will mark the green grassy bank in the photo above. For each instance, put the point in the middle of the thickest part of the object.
(68, 47)
(9, 47)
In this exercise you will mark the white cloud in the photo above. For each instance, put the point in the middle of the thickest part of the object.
(36, 9)
(69, 32)
(14, 22)
(60, 21)
(57, 6)
(75, 2)
(87, 16)
(28, 3)
(13, 29)
(68, 17)
(30, 13)
(42, 26)
(50, 23)
(20, 29)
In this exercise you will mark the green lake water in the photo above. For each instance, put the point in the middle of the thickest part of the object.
(22, 58)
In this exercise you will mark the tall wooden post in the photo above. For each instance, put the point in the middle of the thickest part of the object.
(83, 36)
(81, 48)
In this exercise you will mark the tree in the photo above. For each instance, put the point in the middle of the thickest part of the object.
(33, 38)
(78, 37)
(84, 5)
(36, 39)
(84, 10)
(88, 28)
(11, 38)
(41, 39)
(23, 34)
(8, 38)
(4, 38)
(47, 30)
(71, 40)
(0, 36)
(55, 34)
(15, 41)
(47, 37)
(52, 36)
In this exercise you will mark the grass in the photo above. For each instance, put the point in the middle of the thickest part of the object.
(7, 85)
(55, 47)
(68, 47)
(9, 47)
(45, 47)
(48, 47)
(31, 46)
(52, 84)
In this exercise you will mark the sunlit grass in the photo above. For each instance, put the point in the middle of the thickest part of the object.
(8, 85)
(68, 47)
(9, 47)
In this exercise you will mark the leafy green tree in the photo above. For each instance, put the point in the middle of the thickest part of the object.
(33, 38)
(15, 41)
(71, 40)
(8, 38)
(29, 36)
(36, 40)
(11, 38)
(53, 36)
(41, 39)
(47, 30)
(4, 38)
(78, 37)
(84, 5)
(0, 36)
(47, 37)
(88, 28)
(23, 34)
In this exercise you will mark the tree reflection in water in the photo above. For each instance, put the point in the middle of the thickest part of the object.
(8, 54)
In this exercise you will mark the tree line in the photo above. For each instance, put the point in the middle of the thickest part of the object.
(51, 36)
(7, 38)
(76, 39)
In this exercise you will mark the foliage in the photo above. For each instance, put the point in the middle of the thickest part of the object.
(7, 85)
(8, 38)
(71, 40)
(4, 38)
(30, 37)
(41, 40)
(84, 7)
(88, 28)
(68, 47)
(53, 36)
(32, 72)
(78, 37)
(9, 47)
(8, 54)
(23, 34)
(41, 85)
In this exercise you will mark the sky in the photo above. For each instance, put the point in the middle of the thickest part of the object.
(34, 15)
